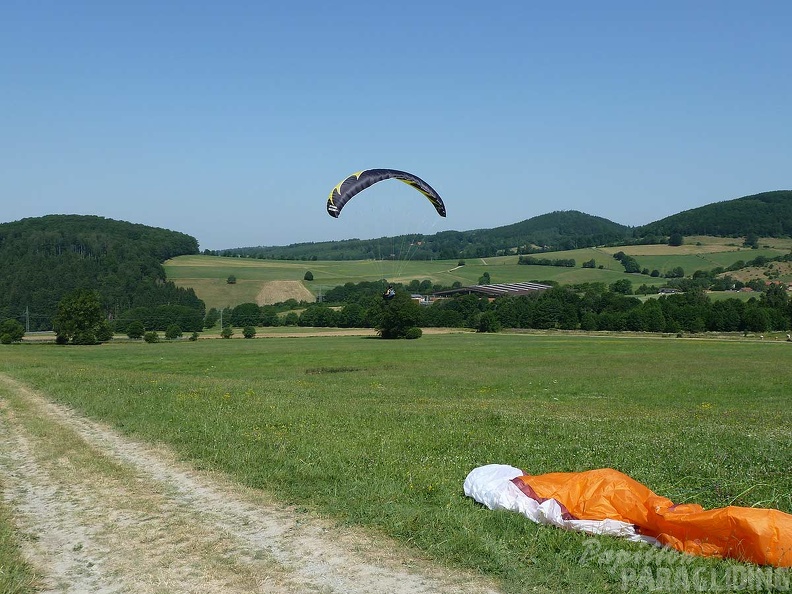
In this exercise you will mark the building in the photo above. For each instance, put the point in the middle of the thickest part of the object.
(496, 290)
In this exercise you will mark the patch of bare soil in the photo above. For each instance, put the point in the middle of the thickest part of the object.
(100, 513)
(280, 291)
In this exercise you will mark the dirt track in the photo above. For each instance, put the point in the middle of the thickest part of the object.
(99, 513)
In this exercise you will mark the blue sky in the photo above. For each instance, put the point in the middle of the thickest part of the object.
(233, 121)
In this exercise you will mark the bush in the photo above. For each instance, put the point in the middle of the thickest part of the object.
(85, 337)
(151, 337)
(173, 332)
(308, 276)
(488, 322)
(413, 332)
(248, 332)
(135, 330)
(226, 332)
(104, 332)
(194, 336)
(12, 331)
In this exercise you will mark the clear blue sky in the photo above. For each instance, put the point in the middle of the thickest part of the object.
(232, 121)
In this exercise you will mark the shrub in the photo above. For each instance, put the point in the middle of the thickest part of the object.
(135, 330)
(308, 276)
(248, 332)
(413, 332)
(104, 332)
(85, 337)
(151, 337)
(13, 330)
(488, 322)
(194, 336)
(226, 332)
(173, 332)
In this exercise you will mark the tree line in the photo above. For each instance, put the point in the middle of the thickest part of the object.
(590, 306)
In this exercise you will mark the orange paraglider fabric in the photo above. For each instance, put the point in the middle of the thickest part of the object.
(758, 535)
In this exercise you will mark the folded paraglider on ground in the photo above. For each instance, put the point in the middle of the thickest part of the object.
(606, 501)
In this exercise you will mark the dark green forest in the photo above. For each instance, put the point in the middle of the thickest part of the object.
(766, 215)
(42, 259)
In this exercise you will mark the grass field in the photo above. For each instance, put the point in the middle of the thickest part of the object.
(382, 433)
(207, 275)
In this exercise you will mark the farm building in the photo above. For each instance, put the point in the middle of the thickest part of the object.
(497, 290)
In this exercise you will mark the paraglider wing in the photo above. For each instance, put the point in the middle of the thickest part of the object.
(357, 182)
(606, 501)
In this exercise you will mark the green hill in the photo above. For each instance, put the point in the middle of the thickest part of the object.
(558, 230)
(44, 258)
(768, 214)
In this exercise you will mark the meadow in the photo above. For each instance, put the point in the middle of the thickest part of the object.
(382, 433)
(207, 275)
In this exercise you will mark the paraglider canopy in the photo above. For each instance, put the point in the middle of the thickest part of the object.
(357, 182)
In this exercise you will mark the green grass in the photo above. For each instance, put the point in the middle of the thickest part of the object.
(207, 274)
(383, 433)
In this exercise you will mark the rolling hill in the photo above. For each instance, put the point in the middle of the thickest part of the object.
(43, 258)
(768, 214)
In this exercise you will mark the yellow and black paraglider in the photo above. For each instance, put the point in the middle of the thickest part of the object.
(357, 182)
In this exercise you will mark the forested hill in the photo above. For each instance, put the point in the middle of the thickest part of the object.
(44, 258)
(554, 231)
(768, 214)
(561, 230)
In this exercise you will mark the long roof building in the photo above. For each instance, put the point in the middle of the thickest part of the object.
(496, 290)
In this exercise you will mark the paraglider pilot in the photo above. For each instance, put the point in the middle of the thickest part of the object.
(389, 293)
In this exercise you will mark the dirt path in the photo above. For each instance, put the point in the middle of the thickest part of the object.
(99, 513)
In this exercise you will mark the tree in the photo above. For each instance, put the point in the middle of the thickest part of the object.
(212, 317)
(308, 276)
(622, 286)
(11, 331)
(248, 332)
(227, 332)
(489, 322)
(246, 314)
(751, 241)
(398, 315)
(231, 280)
(135, 330)
(676, 239)
(173, 332)
(79, 318)
(485, 279)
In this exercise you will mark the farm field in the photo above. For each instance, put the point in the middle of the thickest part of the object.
(267, 281)
(381, 434)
